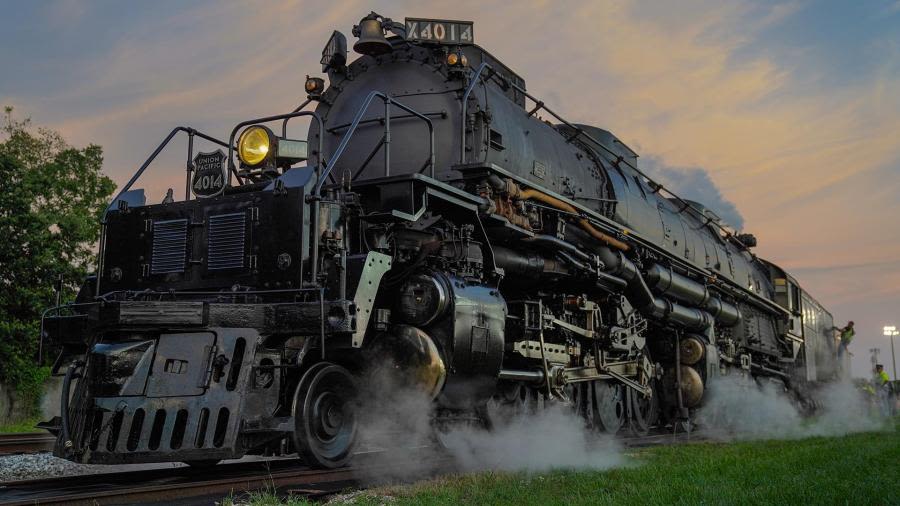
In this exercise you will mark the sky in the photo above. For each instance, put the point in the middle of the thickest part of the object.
(785, 114)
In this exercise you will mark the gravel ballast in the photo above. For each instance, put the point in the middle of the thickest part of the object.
(36, 466)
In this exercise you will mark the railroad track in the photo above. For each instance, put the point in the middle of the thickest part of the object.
(178, 484)
(662, 438)
(203, 486)
(185, 485)
(30, 442)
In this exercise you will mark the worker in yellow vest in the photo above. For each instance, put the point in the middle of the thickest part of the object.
(847, 334)
(883, 385)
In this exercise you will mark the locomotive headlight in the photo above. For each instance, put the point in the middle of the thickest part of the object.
(255, 144)
(452, 59)
(258, 147)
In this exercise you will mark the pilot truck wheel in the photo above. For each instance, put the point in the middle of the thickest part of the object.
(325, 423)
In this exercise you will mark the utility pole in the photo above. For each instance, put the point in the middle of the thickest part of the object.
(891, 331)
(874, 352)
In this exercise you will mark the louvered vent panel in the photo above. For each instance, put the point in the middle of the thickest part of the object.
(226, 241)
(169, 246)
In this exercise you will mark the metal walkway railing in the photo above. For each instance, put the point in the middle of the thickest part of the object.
(323, 168)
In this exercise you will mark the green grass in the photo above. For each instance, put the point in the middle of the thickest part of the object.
(26, 426)
(856, 469)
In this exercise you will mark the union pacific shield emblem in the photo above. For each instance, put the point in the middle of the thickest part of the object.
(209, 174)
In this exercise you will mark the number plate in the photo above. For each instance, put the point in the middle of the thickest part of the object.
(209, 174)
(437, 31)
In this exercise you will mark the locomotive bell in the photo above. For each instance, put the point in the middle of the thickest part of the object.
(371, 41)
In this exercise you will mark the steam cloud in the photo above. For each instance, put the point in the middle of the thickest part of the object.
(550, 439)
(693, 183)
(396, 425)
(397, 420)
(738, 408)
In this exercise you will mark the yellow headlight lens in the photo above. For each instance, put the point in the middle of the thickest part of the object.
(452, 59)
(254, 145)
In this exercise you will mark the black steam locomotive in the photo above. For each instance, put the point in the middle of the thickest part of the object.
(432, 219)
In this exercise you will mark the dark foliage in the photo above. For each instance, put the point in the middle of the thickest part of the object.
(51, 199)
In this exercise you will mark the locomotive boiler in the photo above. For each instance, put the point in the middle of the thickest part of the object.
(437, 217)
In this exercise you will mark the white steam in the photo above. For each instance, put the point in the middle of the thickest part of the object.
(553, 438)
(397, 423)
(737, 407)
(400, 441)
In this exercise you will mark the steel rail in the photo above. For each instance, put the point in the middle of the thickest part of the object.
(27, 442)
(182, 483)
(170, 484)
(127, 488)
(660, 438)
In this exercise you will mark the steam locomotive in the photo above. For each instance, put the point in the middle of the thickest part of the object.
(439, 218)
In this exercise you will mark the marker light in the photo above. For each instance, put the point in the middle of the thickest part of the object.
(314, 85)
(254, 145)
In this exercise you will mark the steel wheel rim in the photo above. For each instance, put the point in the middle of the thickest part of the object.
(325, 418)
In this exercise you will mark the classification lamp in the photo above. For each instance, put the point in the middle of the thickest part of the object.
(457, 59)
(314, 86)
(259, 147)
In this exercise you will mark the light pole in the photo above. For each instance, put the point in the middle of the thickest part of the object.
(891, 330)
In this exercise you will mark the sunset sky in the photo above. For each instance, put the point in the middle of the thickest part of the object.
(790, 111)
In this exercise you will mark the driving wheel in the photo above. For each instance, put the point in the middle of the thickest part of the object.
(644, 410)
(608, 406)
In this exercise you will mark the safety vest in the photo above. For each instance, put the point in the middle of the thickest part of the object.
(847, 335)
(883, 377)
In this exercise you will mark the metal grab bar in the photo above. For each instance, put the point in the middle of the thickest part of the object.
(285, 122)
(317, 192)
(191, 133)
(465, 104)
(296, 113)
(388, 101)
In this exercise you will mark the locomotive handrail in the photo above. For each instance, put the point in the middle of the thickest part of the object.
(538, 105)
(317, 192)
(465, 103)
(191, 133)
(295, 114)
(388, 101)
(437, 114)
(297, 109)
(190, 167)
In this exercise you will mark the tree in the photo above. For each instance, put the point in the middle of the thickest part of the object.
(51, 199)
